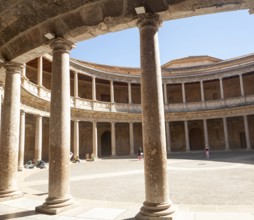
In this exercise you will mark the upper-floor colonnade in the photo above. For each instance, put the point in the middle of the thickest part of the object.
(27, 27)
(211, 84)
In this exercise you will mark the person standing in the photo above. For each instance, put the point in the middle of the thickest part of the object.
(207, 152)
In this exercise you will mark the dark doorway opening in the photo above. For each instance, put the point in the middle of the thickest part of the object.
(196, 139)
(106, 144)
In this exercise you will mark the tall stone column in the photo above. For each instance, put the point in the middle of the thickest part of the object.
(93, 89)
(59, 198)
(131, 138)
(206, 132)
(202, 91)
(157, 203)
(183, 93)
(39, 74)
(165, 94)
(76, 139)
(10, 133)
(129, 93)
(112, 95)
(75, 87)
(95, 139)
(221, 89)
(247, 132)
(23, 74)
(22, 140)
(168, 137)
(225, 127)
(187, 140)
(113, 138)
(38, 138)
(241, 84)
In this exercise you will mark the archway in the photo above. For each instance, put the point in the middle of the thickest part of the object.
(106, 144)
(196, 139)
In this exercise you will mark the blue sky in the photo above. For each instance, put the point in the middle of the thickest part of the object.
(222, 35)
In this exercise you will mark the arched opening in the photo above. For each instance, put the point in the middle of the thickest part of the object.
(106, 144)
(196, 139)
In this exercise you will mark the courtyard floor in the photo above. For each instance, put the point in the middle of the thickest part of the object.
(219, 188)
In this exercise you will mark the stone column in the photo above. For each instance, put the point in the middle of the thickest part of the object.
(95, 140)
(168, 137)
(129, 93)
(10, 133)
(206, 132)
(247, 132)
(225, 127)
(112, 98)
(202, 91)
(165, 94)
(22, 140)
(39, 74)
(59, 198)
(157, 203)
(131, 139)
(187, 140)
(221, 89)
(241, 84)
(93, 89)
(75, 87)
(183, 93)
(76, 139)
(23, 74)
(38, 138)
(113, 138)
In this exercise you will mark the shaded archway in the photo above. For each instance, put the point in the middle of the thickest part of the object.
(106, 144)
(196, 139)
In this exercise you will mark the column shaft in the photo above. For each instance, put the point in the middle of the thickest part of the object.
(225, 127)
(202, 91)
(22, 140)
(95, 140)
(10, 132)
(187, 140)
(76, 139)
(183, 93)
(39, 74)
(75, 85)
(113, 138)
(241, 84)
(157, 203)
(93, 88)
(206, 132)
(247, 132)
(165, 94)
(129, 93)
(168, 137)
(131, 139)
(59, 198)
(112, 98)
(38, 138)
(221, 89)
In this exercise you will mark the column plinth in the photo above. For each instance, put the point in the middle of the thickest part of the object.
(157, 203)
(59, 198)
(10, 133)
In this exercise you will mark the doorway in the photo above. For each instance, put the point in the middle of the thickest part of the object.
(106, 144)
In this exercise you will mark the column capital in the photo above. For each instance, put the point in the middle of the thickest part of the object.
(149, 19)
(13, 66)
(250, 5)
(62, 44)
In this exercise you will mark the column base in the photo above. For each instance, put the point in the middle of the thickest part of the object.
(10, 194)
(55, 206)
(153, 211)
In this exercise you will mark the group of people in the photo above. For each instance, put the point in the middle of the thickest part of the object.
(35, 163)
(76, 159)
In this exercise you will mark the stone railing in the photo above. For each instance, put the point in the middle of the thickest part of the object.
(86, 104)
